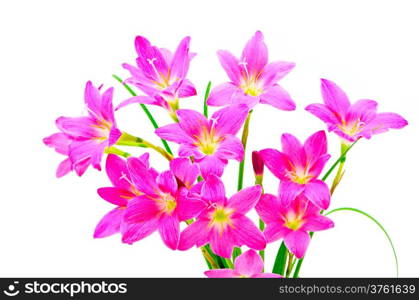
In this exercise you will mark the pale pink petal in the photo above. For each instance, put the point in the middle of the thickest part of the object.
(384, 121)
(363, 110)
(135, 72)
(64, 168)
(274, 71)
(230, 119)
(169, 231)
(315, 146)
(245, 200)
(231, 65)
(194, 234)
(173, 133)
(142, 178)
(213, 190)
(241, 98)
(288, 191)
(107, 110)
(248, 263)
(109, 224)
(297, 242)
(115, 195)
(141, 209)
(246, 233)
(277, 162)
(334, 97)
(92, 98)
(180, 61)
(132, 233)
(138, 99)
(211, 165)
(230, 148)
(277, 97)
(167, 182)
(322, 112)
(186, 171)
(59, 141)
(147, 54)
(97, 155)
(114, 135)
(222, 94)
(186, 89)
(81, 166)
(220, 273)
(255, 54)
(317, 223)
(82, 127)
(192, 122)
(318, 193)
(275, 231)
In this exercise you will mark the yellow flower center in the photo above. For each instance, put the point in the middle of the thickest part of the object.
(293, 222)
(251, 87)
(300, 176)
(221, 218)
(353, 128)
(208, 142)
(167, 203)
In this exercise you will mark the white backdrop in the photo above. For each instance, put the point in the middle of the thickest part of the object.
(49, 49)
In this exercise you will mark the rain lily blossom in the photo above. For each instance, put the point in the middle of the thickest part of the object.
(211, 143)
(247, 265)
(162, 206)
(160, 74)
(352, 121)
(253, 79)
(223, 224)
(84, 139)
(291, 223)
(298, 167)
(123, 190)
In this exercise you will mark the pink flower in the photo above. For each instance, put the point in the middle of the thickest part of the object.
(253, 79)
(84, 139)
(223, 224)
(210, 142)
(292, 223)
(160, 74)
(298, 167)
(123, 190)
(164, 204)
(352, 121)
(247, 265)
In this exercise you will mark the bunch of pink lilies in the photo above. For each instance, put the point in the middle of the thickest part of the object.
(186, 202)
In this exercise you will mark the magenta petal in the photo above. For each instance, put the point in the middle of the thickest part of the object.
(169, 231)
(315, 146)
(318, 165)
(277, 97)
(186, 171)
(146, 54)
(189, 207)
(267, 275)
(194, 234)
(317, 223)
(141, 176)
(141, 209)
(117, 171)
(220, 273)
(132, 233)
(276, 162)
(222, 244)
(246, 233)
(275, 231)
(297, 242)
(167, 182)
(255, 53)
(245, 200)
(268, 208)
(384, 121)
(231, 65)
(213, 190)
(115, 196)
(231, 148)
(211, 165)
(92, 97)
(322, 112)
(288, 191)
(230, 119)
(109, 224)
(292, 147)
(173, 133)
(64, 168)
(180, 62)
(274, 71)
(318, 193)
(187, 150)
(137, 99)
(248, 263)
(222, 94)
(77, 127)
(59, 141)
(363, 110)
(81, 166)
(334, 97)
(192, 122)
(186, 89)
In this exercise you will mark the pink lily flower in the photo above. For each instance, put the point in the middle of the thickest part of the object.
(84, 139)
(223, 224)
(253, 79)
(160, 74)
(292, 223)
(211, 143)
(247, 265)
(298, 167)
(123, 190)
(164, 204)
(352, 121)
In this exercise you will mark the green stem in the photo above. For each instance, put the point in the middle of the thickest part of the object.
(114, 150)
(147, 112)
(290, 264)
(207, 91)
(280, 260)
(262, 227)
(245, 135)
(342, 157)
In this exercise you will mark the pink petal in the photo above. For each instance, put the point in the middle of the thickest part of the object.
(220, 273)
(334, 97)
(317, 167)
(275, 231)
(187, 150)
(180, 62)
(277, 97)
(246, 233)
(141, 209)
(167, 182)
(81, 166)
(138, 99)
(231, 65)
(230, 148)
(169, 231)
(194, 234)
(288, 191)
(189, 207)
(142, 178)
(297, 242)
(268, 208)
(315, 146)
(222, 244)
(267, 275)
(59, 141)
(211, 165)
(186, 89)
(318, 193)
(64, 168)
(255, 53)
(363, 110)
(192, 122)
(146, 54)
(222, 94)
(245, 200)
(115, 196)
(292, 147)
(97, 155)
(173, 133)
(135, 72)
(109, 224)
(274, 71)
(248, 263)
(384, 121)
(106, 109)
(117, 171)
(277, 162)
(213, 190)
(132, 233)
(186, 171)
(230, 119)
(82, 127)
(322, 112)
(317, 223)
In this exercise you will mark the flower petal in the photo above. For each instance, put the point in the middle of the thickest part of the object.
(363, 110)
(277, 162)
(222, 94)
(274, 71)
(231, 65)
(184, 170)
(318, 193)
(222, 244)
(80, 127)
(322, 112)
(277, 97)
(246, 233)
(334, 97)
(268, 208)
(115, 196)
(64, 168)
(188, 206)
(59, 141)
(255, 54)
(288, 191)
(173, 133)
(192, 122)
(213, 190)
(297, 242)
(317, 223)
(384, 121)
(186, 89)
(132, 233)
(245, 200)
(317, 167)
(194, 234)
(220, 273)
(248, 263)
(211, 165)
(169, 229)
(315, 146)
(230, 119)
(117, 171)
(275, 231)
(167, 182)
(267, 275)
(230, 148)
(180, 62)
(141, 176)
(141, 209)
(138, 99)
(109, 224)
(292, 147)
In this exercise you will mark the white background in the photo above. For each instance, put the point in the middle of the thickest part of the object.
(49, 49)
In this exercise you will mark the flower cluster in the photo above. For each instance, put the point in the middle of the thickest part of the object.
(186, 202)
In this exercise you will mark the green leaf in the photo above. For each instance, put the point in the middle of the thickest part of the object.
(280, 261)
(378, 224)
(207, 91)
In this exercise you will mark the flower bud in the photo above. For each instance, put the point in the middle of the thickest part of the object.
(258, 166)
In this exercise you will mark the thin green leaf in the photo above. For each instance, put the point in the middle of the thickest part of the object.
(207, 91)
(281, 260)
(341, 158)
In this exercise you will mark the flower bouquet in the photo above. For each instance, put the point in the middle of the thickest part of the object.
(185, 201)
